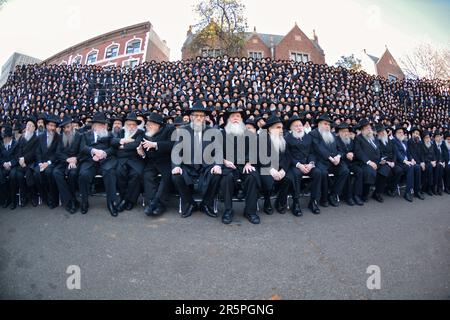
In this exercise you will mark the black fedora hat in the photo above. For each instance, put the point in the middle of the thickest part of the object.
(380, 127)
(99, 117)
(133, 117)
(416, 129)
(251, 122)
(156, 118)
(41, 116)
(271, 121)
(363, 123)
(198, 106)
(66, 120)
(51, 118)
(32, 119)
(324, 117)
(7, 131)
(399, 127)
(230, 111)
(427, 133)
(342, 126)
(293, 119)
(178, 121)
(115, 118)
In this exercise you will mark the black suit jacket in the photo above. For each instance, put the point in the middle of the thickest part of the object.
(416, 150)
(364, 152)
(9, 155)
(323, 150)
(345, 149)
(163, 138)
(27, 150)
(301, 151)
(46, 153)
(88, 143)
(128, 153)
(72, 150)
(388, 151)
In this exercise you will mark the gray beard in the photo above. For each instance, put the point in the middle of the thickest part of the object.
(67, 139)
(278, 143)
(150, 134)
(447, 144)
(197, 128)
(384, 140)
(346, 141)
(307, 130)
(327, 136)
(235, 129)
(369, 137)
(298, 135)
(428, 144)
(50, 137)
(102, 133)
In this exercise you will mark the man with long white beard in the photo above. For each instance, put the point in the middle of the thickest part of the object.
(329, 160)
(353, 187)
(97, 157)
(375, 169)
(8, 155)
(21, 177)
(238, 164)
(445, 146)
(45, 160)
(409, 166)
(67, 165)
(186, 171)
(432, 176)
(299, 145)
(130, 165)
(156, 148)
(388, 153)
(276, 179)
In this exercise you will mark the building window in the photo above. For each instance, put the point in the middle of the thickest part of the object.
(211, 53)
(92, 58)
(76, 60)
(299, 57)
(112, 51)
(109, 65)
(130, 63)
(255, 54)
(134, 47)
(392, 78)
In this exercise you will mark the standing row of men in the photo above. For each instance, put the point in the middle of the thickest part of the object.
(61, 167)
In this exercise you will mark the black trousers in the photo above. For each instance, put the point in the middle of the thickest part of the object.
(283, 186)
(340, 172)
(316, 180)
(394, 179)
(22, 179)
(46, 184)
(66, 181)
(413, 177)
(447, 176)
(4, 184)
(250, 185)
(87, 174)
(157, 191)
(186, 191)
(129, 183)
(354, 184)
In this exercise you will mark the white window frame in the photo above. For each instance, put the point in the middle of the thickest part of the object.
(89, 53)
(392, 75)
(255, 52)
(75, 58)
(301, 54)
(208, 50)
(130, 41)
(110, 64)
(129, 60)
(64, 62)
(111, 45)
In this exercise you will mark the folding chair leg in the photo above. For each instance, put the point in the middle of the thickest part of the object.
(216, 204)
(179, 206)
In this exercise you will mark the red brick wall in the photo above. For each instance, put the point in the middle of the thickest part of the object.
(297, 41)
(387, 65)
(255, 44)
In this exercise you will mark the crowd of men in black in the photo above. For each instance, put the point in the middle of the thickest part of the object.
(332, 129)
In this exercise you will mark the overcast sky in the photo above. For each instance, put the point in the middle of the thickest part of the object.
(42, 28)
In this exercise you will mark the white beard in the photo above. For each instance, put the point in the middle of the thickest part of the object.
(129, 134)
(235, 129)
(278, 143)
(67, 138)
(197, 128)
(427, 144)
(384, 140)
(298, 135)
(307, 130)
(346, 141)
(28, 135)
(102, 133)
(327, 136)
(150, 134)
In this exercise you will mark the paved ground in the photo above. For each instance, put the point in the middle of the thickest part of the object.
(313, 257)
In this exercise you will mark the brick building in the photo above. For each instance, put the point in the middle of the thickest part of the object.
(386, 66)
(128, 46)
(295, 45)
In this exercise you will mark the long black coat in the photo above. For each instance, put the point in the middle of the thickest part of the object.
(128, 153)
(9, 155)
(27, 150)
(323, 150)
(88, 143)
(46, 153)
(70, 151)
(301, 151)
(364, 152)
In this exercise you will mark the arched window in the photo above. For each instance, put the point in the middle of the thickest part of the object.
(77, 60)
(112, 51)
(92, 57)
(134, 46)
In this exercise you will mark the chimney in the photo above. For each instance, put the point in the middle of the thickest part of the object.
(189, 32)
(254, 29)
(316, 39)
(272, 48)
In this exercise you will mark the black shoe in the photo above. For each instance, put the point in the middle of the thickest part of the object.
(419, 195)
(227, 217)
(439, 192)
(447, 190)
(314, 207)
(391, 193)
(129, 206)
(75, 206)
(280, 209)
(378, 197)
(69, 207)
(334, 200)
(122, 205)
(6, 204)
(159, 210)
(188, 211)
(324, 203)
(84, 207)
(13, 205)
(112, 208)
(408, 196)
(350, 202)
(148, 211)
(358, 200)
(296, 210)
(268, 207)
(252, 218)
(429, 192)
(51, 205)
(24, 202)
(208, 211)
